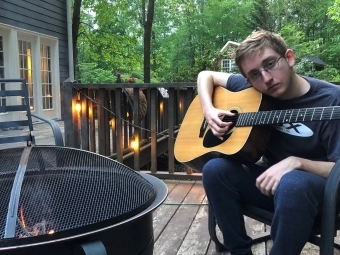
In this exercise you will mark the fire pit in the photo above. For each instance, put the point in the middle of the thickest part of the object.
(57, 200)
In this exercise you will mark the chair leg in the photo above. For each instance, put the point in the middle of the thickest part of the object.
(212, 231)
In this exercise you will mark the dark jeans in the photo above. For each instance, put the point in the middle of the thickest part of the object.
(296, 204)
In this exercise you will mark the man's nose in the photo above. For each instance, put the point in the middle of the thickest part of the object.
(266, 76)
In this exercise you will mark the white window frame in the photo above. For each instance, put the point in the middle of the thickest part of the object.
(2, 99)
(12, 71)
(230, 64)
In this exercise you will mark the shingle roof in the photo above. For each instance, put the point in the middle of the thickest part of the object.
(315, 60)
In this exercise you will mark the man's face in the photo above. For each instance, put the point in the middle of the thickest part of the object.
(268, 72)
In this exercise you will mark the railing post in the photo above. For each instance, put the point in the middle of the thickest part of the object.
(67, 97)
(71, 116)
(84, 120)
(119, 126)
(136, 122)
(153, 128)
(102, 123)
(170, 118)
(92, 126)
(113, 122)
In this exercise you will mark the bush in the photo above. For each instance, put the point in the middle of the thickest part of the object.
(328, 74)
(306, 68)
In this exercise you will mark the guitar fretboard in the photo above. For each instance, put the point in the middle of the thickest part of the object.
(286, 116)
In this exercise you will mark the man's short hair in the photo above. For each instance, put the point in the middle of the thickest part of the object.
(257, 41)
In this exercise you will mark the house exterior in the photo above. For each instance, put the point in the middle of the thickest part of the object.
(226, 59)
(34, 46)
(318, 63)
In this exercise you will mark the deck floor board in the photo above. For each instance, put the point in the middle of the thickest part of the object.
(181, 224)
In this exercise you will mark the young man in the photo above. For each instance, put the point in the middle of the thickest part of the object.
(299, 156)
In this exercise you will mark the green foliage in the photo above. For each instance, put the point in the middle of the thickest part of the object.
(329, 74)
(334, 10)
(306, 68)
(90, 73)
(188, 35)
(183, 75)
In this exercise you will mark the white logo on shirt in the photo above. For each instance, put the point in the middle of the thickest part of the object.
(295, 129)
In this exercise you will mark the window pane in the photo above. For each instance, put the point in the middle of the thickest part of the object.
(26, 68)
(46, 74)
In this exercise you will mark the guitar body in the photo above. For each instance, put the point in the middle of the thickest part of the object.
(195, 143)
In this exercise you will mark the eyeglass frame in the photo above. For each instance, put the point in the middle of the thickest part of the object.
(268, 70)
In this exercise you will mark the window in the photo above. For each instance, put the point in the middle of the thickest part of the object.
(2, 72)
(46, 77)
(25, 66)
(35, 58)
(227, 65)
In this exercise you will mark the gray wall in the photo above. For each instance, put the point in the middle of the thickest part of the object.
(47, 17)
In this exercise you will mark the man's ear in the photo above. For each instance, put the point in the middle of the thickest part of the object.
(290, 57)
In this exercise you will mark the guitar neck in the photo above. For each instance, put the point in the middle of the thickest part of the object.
(286, 116)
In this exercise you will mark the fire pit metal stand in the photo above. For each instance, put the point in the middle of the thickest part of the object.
(58, 200)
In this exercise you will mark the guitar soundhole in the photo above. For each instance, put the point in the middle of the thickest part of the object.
(210, 140)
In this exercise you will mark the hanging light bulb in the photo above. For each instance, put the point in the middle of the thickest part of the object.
(78, 103)
(134, 143)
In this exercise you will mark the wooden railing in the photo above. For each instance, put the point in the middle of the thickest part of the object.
(109, 120)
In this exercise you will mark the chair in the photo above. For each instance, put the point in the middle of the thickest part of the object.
(322, 234)
(15, 99)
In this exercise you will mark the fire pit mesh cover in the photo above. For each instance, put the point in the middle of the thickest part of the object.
(66, 188)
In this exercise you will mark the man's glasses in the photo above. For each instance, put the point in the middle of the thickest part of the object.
(256, 75)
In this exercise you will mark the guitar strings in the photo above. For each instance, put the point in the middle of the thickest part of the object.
(285, 116)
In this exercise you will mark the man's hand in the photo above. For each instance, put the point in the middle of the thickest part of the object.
(268, 181)
(214, 118)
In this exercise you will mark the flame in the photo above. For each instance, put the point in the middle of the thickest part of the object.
(37, 229)
(22, 218)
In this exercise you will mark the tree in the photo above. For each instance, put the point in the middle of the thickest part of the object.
(75, 29)
(172, 40)
(334, 10)
(261, 17)
(148, 15)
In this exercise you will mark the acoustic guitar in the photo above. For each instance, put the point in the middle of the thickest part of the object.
(247, 138)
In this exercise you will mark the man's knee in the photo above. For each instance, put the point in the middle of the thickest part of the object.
(224, 170)
(298, 189)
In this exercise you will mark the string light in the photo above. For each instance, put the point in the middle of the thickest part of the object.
(126, 121)
(134, 143)
(78, 103)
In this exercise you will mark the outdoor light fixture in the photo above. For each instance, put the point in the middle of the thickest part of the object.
(112, 122)
(78, 103)
(134, 143)
(161, 107)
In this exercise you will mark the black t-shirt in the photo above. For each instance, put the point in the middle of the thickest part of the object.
(315, 140)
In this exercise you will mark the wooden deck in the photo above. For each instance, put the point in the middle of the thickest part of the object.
(181, 224)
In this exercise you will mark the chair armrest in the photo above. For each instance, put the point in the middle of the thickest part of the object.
(330, 201)
(58, 136)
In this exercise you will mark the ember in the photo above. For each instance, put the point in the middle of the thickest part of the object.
(40, 228)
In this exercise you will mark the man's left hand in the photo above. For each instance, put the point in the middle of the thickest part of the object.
(268, 181)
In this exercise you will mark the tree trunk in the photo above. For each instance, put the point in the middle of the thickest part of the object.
(75, 29)
(147, 38)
